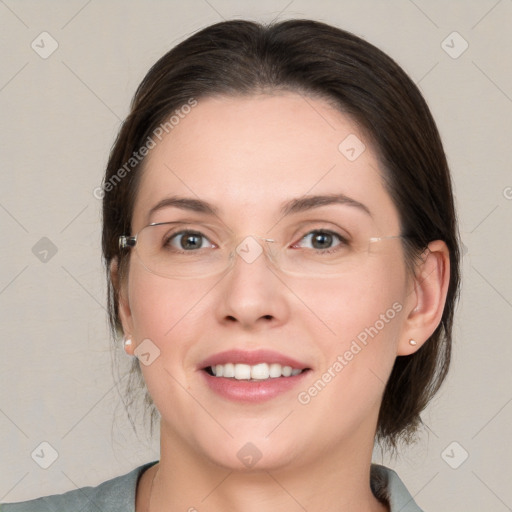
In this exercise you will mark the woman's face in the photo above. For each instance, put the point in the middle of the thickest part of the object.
(280, 167)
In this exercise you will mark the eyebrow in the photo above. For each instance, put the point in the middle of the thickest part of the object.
(184, 203)
(298, 205)
(309, 202)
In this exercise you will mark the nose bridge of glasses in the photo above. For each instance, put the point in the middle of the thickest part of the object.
(250, 248)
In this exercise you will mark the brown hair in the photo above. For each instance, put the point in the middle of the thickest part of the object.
(318, 60)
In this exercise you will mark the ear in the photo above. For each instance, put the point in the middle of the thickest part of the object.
(427, 299)
(123, 308)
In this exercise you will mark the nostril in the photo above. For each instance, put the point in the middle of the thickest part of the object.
(231, 318)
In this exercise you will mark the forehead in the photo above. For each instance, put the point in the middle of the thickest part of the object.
(248, 155)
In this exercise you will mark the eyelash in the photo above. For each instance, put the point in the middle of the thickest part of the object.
(168, 238)
(342, 241)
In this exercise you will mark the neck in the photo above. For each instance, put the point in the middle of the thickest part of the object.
(332, 482)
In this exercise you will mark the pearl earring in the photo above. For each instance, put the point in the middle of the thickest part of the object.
(127, 342)
(413, 342)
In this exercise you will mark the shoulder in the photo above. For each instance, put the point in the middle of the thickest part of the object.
(118, 494)
(114, 495)
(387, 486)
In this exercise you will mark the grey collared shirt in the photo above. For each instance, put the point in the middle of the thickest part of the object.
(118, 495)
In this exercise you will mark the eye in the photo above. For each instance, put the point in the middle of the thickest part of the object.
(321, 240)
(189, 241)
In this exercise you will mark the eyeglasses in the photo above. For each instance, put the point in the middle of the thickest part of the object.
(178, 250)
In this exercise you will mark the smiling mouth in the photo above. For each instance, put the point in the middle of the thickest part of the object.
(257, 372)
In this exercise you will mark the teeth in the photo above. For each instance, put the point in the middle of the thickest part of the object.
(242, 371)
(229, 370)
(287, 371)
(275, 370)
(261, 371)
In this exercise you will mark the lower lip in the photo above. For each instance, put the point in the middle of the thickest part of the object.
(252, 391)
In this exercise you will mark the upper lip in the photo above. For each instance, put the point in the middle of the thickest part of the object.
(252, 357)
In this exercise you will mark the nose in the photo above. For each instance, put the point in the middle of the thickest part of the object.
(252, 295)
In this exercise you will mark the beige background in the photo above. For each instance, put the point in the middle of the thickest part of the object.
(59, 116)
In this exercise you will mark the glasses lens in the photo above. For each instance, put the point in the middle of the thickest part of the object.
(322, 257)
(177, 250)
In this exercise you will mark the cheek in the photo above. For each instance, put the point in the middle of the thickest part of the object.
(158, 305)
(169, 313)
(361, 317)
(356, 301)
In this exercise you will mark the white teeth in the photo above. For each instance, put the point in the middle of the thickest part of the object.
(275, 370)
(242, 371)
(229, 370)
(261, 371)
(287, 371)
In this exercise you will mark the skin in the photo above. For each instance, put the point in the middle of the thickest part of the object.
(247, 156)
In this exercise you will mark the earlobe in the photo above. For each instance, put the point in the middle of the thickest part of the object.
(123, 306)
(428, 298)
(128, 345)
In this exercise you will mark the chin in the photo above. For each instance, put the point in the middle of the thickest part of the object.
(253, 453)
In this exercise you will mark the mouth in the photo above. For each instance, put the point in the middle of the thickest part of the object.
(252, 376)
(258, 372)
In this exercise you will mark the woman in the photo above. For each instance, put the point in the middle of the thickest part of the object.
(282, 253)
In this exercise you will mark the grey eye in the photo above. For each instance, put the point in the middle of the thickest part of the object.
(189, 241)
(320, 240)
